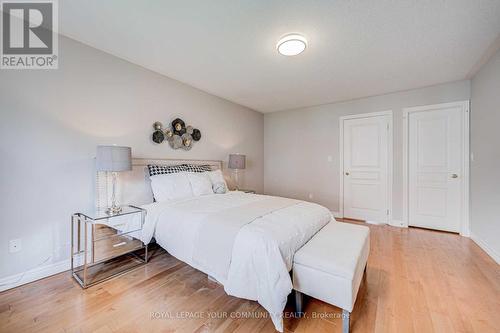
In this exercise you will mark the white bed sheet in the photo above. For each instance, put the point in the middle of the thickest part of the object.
(175, 224)
(263, 249)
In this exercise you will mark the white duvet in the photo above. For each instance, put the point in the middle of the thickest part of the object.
(245, 241)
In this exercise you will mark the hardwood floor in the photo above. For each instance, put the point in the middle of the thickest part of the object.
(417, 281)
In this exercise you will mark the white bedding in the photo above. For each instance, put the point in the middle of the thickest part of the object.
(263, 238)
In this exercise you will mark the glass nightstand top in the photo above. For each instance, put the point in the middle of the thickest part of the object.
(101, 214)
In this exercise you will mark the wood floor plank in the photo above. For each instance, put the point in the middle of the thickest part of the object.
(417, 281)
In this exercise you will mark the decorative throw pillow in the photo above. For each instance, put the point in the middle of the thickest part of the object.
(219, 188)
(200, 183)
(197, 168)
(155, 170)
(219, 185)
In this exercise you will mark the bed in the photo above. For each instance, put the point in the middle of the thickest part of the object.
(244, 241)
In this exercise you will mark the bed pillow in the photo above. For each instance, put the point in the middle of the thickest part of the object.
(171, 186)
(155, 170)
(219, 188)
(200, 183)
(197, 168)
(219, 185)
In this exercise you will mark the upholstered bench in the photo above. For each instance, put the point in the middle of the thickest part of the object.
(330, 266)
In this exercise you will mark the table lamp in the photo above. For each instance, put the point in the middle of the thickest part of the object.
(237, 162)
(113, 159)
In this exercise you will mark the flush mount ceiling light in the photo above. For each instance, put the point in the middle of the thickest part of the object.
(291, 45)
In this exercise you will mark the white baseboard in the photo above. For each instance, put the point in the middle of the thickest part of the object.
(34, 274)
(398, 223)
(486, 248)
(394, 223)
(336, 214)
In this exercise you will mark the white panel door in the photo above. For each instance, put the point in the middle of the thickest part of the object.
(366, 168)
(435, 168)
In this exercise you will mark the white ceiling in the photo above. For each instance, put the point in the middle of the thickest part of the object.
(356, 48)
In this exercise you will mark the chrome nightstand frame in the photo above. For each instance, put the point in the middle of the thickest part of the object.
(81, 219)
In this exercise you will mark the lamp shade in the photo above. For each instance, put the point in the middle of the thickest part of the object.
(113, 158)
(237, 161)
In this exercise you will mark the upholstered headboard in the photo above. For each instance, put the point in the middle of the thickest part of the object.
(133, 187)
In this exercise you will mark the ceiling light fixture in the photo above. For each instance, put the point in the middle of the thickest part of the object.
(291, 45)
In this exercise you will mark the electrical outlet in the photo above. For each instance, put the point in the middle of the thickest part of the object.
(15, 245)
(329, 158)
(311, 196)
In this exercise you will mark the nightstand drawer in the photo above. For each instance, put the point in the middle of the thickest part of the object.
(117, 226)
(114, 246)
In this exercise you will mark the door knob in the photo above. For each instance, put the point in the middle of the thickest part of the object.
(347, 173)
(454, 175)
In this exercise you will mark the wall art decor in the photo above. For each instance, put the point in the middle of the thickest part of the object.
(177, 134)
(158, 136)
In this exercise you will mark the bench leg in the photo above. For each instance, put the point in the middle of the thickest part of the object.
(345, 321)
(299, 299)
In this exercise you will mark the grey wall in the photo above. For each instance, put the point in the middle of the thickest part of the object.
(298, 143)
(485, 168)
(51, 122)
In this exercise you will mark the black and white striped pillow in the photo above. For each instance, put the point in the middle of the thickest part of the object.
(155, 170)
(197, 168)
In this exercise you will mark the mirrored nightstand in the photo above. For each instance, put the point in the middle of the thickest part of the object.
(104, 246)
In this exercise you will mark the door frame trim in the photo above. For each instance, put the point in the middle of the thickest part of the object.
(390, 157)
(465, 105)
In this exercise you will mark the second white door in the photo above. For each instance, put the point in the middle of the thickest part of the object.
(365, 169)
(435, 167)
